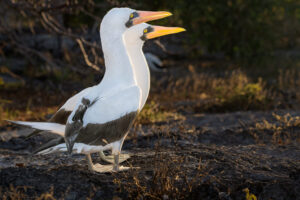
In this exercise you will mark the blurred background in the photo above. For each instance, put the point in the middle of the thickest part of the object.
(235, 55)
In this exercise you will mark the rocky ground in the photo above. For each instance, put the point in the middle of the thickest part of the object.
(200, 156)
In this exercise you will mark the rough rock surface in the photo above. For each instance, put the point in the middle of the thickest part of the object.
(213, 156)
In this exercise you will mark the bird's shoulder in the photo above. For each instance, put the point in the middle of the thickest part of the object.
(73, 101)
(61, 116)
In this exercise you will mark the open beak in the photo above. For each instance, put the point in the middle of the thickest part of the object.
(159, 31)
(146, 16)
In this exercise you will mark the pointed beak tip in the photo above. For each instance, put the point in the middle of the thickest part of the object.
(177, 30)
(182, 29)
(163, 14)
(168, 14)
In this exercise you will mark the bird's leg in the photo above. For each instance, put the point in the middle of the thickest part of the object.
(103, 156)
(90, 162)
(116, 166)
(111, 158)
(123, 157)
(116, 153)
(116, 162)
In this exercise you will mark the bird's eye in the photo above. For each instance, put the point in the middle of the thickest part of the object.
(131, 15)
(145, 30)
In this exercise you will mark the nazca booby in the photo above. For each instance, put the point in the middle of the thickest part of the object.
(102, 118)
(114, 24)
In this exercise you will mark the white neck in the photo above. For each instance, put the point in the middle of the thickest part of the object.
(141, 69)
(118, 71)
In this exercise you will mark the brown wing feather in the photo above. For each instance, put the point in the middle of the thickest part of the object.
(60, 116)
(102, 134)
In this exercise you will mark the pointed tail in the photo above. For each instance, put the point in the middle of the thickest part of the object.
(56, 128)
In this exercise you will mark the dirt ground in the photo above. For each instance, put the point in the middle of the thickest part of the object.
(202, 156)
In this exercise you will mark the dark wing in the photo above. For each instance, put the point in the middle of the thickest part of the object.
(61, 116)
(106, 133)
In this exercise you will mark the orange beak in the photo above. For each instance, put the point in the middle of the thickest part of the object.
(146, 16)
(159, 31)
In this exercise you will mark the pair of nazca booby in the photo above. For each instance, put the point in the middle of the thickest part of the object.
(99, 117)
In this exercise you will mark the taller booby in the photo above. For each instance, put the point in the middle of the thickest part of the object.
(114, 24)
(103, 116)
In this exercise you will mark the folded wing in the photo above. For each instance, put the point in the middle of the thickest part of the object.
(104, 119)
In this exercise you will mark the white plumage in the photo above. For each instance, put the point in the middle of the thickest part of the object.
(58, 129)
(102, 115)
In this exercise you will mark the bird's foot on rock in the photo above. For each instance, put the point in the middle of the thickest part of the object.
(102, 168)
(108, 168)
(110, 158)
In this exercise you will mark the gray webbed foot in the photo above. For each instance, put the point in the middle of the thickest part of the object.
(105, 168)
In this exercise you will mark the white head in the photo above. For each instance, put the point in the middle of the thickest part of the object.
(113, 23)
(133, 35)
(118, 20)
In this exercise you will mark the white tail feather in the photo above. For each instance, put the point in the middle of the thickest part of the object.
(56, 128)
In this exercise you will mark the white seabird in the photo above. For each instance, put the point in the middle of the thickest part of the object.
(102, 118)
(114, 24)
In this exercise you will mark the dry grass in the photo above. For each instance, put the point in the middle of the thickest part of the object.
(34, 114)
(232, 91)
(229, 90)
(166, 180)
(288, 88)
(152, 112)
(283, 130)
